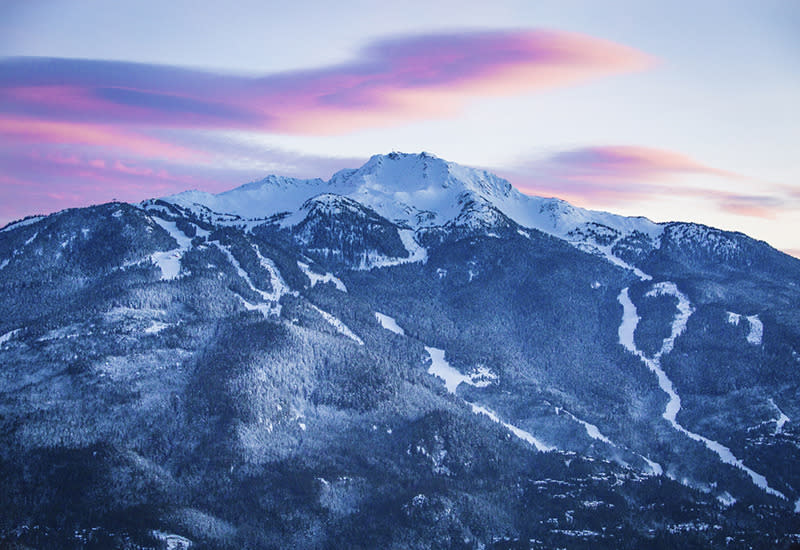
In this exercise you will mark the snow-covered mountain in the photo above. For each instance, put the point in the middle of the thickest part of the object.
(420, 192)
(411, 354)
(413, 190)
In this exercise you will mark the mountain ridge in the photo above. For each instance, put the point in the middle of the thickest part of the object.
(262, 199)
(358, 371)
(414, 180)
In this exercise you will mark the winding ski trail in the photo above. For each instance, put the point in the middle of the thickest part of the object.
(630, 320)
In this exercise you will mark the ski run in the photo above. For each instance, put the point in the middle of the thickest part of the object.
(452, 378)
(170, 261)
(591, 430)
(317, 278)
(340, 327)
(630, 319)
(520, 433)
(272, 306)
(389, 324)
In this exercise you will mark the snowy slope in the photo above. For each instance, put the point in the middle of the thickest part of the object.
(418, 191)
(255, 200)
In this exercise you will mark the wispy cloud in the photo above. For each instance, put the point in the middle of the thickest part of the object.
(18, 130)
(608, 176)
(42, 180)
(136, 130)
(628, 163)
(391, 82)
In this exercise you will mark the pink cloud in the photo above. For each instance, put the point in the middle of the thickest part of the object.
(125, 169)
(51, 177)
(105, 137)
(392, 82)
(629, 163)
(115, 123)
(26, 185)
(604, 176)
(434, 76)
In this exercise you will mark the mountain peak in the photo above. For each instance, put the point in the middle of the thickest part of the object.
(410, 172)
(415, 190)
(401, 171)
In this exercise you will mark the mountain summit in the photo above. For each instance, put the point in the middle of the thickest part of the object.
(411, 354)
(421, 190)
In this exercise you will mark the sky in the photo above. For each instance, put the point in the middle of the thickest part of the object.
(679, 110)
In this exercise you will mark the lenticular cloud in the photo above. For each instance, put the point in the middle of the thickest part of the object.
(391, 81)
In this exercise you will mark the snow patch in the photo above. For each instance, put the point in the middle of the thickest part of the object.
(416, 253)
(4, 263)
(389, 324)
(681, 318)
(782, 418)
(22, 223)
(121, 311)
(279, 286)
(267, 310)
(756, 333)
(33, 238)
(441, 368)
(726, 499)
(172, 542)
(482, 377)
(519, 432)
(655, 467)
(605, 252)
(317, 278)
(630, 320)
(155, 327)
(582, 533)
(169, 263)
(9, 335)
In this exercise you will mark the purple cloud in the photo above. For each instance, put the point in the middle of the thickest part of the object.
(629, 163)
(605, 176)
(392, 81)
(120, 120)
